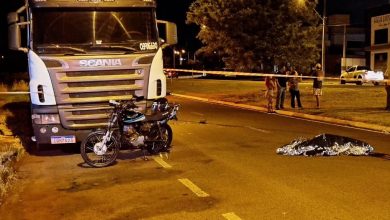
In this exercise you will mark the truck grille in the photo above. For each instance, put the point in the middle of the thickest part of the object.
(82, 96)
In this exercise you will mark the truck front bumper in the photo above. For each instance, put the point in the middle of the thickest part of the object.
(54, 133)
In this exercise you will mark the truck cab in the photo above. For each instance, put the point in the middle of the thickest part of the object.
(83, 53)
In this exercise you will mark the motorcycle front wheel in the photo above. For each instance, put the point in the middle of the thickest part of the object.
(160, 141)
(95, 154)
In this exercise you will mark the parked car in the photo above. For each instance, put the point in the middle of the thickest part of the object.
(171, 74)
(360, 75)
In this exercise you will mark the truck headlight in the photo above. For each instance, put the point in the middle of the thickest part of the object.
(46, 119)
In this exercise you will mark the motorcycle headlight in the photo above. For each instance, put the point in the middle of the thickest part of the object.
(46, 119)
(160, 105)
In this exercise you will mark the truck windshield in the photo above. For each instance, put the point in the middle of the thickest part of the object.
(74, 31)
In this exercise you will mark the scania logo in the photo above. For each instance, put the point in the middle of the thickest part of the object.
(100, 62)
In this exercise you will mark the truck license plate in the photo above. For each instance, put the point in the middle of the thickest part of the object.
(70, 139)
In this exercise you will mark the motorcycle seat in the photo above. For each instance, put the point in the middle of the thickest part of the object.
(158, 116)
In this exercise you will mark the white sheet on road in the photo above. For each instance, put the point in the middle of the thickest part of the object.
(326, 145)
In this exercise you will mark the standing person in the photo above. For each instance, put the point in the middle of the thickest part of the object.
(270, 83)
(294, 88)
(317, 83)
(281, 84)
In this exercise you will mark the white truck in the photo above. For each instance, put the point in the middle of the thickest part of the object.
(83, 53)
(361, 74)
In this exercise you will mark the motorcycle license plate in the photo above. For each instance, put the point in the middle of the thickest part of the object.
(70, 139)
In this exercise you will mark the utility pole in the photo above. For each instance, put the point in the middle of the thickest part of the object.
(323, 36)
(345, 48)
(174, 57)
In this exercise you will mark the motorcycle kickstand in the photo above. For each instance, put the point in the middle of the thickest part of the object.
(144, 151)
(166, 154)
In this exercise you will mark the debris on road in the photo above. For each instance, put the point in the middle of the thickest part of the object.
(326, 145)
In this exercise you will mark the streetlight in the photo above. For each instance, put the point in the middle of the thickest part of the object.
(181, 57)
(323, 18)
(174, 52)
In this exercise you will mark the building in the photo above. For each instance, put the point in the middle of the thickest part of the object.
(345, 43)
(379, 43)
(350, 18)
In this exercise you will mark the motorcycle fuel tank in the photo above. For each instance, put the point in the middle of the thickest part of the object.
(132, 117)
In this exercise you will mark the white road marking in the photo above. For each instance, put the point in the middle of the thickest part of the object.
(258, 129)
(197, 113)
(231, 216)
(160, 161)
(194, 188)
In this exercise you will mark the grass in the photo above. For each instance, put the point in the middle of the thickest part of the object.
(3, 87)
(20, 86)
(9, 154)
(350, 102)
(11, 148)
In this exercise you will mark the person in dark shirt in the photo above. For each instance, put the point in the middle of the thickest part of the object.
(294, 88)
(281, 83)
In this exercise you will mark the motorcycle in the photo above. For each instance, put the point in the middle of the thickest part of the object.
(131, 128)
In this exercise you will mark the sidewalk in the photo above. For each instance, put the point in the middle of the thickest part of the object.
(341, 104)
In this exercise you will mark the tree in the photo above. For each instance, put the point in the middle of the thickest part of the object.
(252, 33)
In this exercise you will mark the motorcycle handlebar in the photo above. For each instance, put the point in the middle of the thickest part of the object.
(138, 98)
(113, 103)
(135, 98)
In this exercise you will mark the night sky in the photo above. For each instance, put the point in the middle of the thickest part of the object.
(175, 10)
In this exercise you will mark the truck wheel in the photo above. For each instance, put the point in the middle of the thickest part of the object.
(375, 83)
(342, 81)
(33, 147)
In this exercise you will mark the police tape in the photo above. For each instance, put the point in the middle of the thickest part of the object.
(230, 73)
(227, 73)
(16, 93)
(24, 93)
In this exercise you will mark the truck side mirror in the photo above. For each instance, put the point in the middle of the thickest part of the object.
(12, 18)
(167, 31)
(14, 35)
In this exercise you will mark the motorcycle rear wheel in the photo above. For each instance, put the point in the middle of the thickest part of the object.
(104, 158)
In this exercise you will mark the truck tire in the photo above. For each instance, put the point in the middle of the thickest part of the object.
(342, 81)
(33, 148)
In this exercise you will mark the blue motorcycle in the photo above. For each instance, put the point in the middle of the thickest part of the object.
(128, 127)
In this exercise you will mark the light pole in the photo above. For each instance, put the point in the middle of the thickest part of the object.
(323, 37)
(323, 18)
(173, 54)
(344, 58)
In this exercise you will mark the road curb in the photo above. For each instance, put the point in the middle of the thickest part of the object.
(355, 124)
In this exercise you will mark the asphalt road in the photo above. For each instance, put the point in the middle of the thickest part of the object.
(223, 166)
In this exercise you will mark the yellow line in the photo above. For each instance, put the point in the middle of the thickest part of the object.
(160, 161)
(195, 189)
(231, 216)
